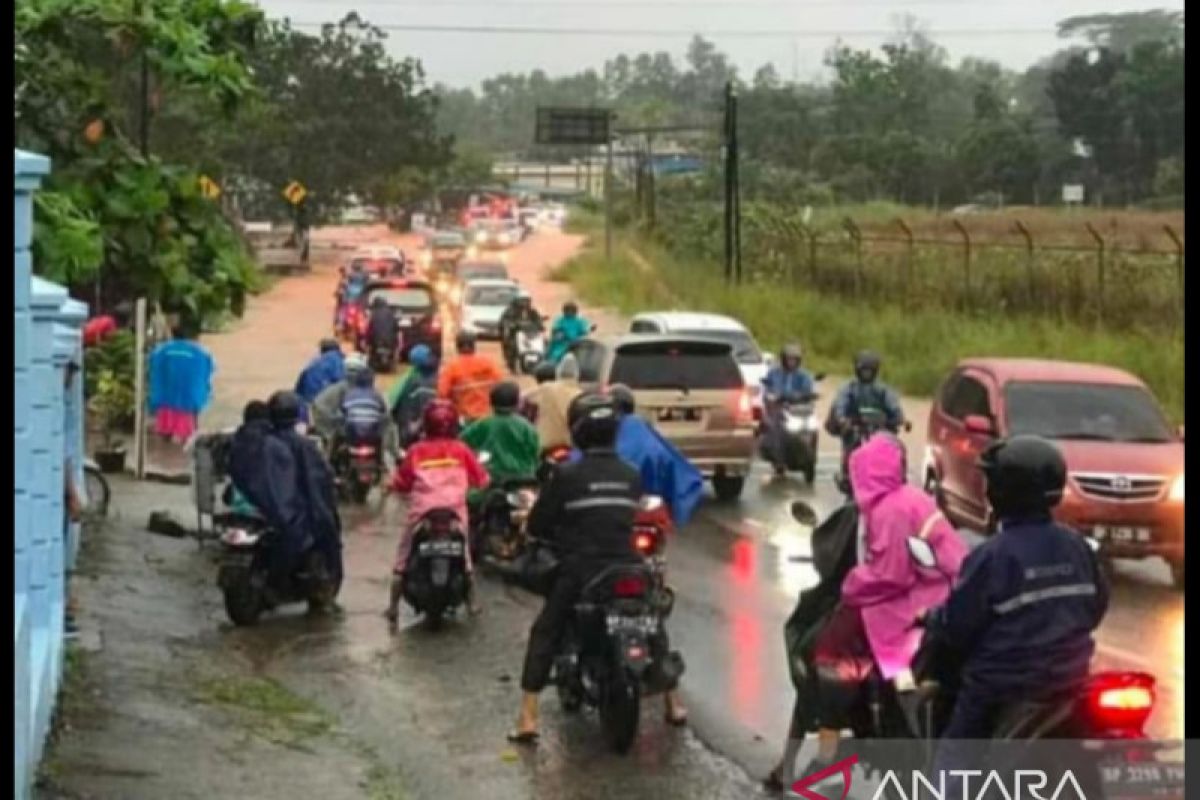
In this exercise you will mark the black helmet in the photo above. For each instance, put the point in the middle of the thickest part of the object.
(623, 398)
(505, 396)
(545, 372)
(593, 421)
(284, 407)
(866, 365)
(378, 301)
(329, 345)
(464, 342)
(1025, 475)
(791, 350)
(570, 308)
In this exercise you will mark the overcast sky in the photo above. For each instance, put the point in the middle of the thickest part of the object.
(792, 34)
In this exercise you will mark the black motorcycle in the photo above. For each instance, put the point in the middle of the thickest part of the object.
(243, 571)
(435, 578)
(357, 468)
(498, 532)
(607, 658)
(856, 431)
(799, 432)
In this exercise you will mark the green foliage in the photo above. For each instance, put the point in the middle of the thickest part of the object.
(112, 403)
(114, 355)
(67, 243)
(919, 345)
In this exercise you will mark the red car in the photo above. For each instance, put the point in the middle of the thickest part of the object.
(1124, 460)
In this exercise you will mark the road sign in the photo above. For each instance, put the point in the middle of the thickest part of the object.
(209, 188)
(573, 125)
(1072, 193)
(295, 193)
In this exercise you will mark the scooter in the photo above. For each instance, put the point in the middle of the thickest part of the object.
(800, 429)
(531, 349)
(435, 578)
(357, 467)
(243, 571)
(868, 422)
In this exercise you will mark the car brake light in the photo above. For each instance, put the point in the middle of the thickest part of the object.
(365, 450)
(629, 586)
(745, 405)
(1121, 701)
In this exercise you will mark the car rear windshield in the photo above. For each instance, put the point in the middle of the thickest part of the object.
(744, 348)
(378, 263)
(468, 271)
(408, 298)
(1103, 412)
(676, 365)
(490, 295)
(448, 240)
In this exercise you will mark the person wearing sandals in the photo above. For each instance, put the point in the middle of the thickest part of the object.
(588, 509)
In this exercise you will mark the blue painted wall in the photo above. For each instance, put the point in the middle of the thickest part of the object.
(48, 431)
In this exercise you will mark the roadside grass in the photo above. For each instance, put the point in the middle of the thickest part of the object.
(264, 707)
(919, 346)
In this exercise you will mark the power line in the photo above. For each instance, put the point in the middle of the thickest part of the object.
(729, 33)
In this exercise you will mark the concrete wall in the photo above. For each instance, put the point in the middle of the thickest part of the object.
(48, 431)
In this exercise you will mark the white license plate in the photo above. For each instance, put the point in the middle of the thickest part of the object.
(629, 624)
(1122, 534)
(679, 415)
(441, 548)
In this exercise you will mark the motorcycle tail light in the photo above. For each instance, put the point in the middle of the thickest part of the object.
(629, 586)
(365, 450)
(644, 541)
(1121, 701)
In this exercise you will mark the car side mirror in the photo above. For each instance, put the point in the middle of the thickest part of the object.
(820, 376)
(979, 424)
(803, 513)
(921, 552)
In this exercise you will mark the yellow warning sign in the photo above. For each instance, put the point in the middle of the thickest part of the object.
(295, 193)
(209, 188)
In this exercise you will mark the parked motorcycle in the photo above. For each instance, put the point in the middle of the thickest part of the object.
(243, 571)
(435, 581)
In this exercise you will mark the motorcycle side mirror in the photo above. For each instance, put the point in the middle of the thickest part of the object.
(803, 513)
(979, 424)
(485, 458)
(921, 552)
(1092, 543)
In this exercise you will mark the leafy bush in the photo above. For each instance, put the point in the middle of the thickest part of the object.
(113, 356)
(113, 405)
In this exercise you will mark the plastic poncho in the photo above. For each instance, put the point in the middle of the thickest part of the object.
(324, 370)
(180, 377)
(467, 382)
(512, 443)
(664, 470)
(889, 588)
(565, 331)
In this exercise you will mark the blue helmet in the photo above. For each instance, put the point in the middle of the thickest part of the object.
(422, 358)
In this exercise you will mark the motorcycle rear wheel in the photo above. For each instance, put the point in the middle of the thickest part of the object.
(243, 602)
(359, 491)
(620, 710)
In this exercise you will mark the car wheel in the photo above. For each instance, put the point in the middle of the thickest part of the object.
(728, 487)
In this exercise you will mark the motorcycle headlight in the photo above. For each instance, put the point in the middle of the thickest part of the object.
(793, 424)
(1177, 490)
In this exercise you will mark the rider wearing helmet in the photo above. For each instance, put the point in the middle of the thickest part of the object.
(364, 412)
(519, 315)
(410, 395)
(787, 382)
(587, 509)
(566, 329)
(326, 407)
(383, 329)
(326, 368)
(467, 380)
(508, 437)
(437, 472)
(1021, 616)
(549, 402)
(865, 392)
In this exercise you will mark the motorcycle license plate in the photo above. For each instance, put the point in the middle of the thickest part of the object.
(1121, 534)
(626, 624)
(679, 415)
(443, 547)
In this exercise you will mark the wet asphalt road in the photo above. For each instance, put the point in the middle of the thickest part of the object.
(439, 704)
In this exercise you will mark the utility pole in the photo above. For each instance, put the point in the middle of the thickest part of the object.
(143, 94)
(608, 192)
(733, 266)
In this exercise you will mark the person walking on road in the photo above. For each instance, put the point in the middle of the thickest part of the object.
(467, 380)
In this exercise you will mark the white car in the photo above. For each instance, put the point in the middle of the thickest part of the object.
(483, 301)
(750, 358)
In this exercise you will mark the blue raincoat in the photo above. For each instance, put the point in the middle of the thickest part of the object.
(664, 470)
(180, 377)
(565, 331)
(324, 370)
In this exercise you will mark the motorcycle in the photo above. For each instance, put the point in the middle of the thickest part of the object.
(243, 571)
(651, 525)
(499, 533)
(357, 468)
(435, 580)
(551, 458)
(530, 348)
(1110, 705)
(607, 660)
(800, 429)
(858, 430)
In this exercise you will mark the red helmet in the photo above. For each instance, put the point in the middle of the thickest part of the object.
(440, 420)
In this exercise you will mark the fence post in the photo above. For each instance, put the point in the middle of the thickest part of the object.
(1099, 271)
(966, 262)
(796, 232)
(812, 255)
(1029, 272)
(1178, 258)
(908, 257)
(856, 237)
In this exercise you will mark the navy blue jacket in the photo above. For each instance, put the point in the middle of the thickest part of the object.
(788, 384)
(1023, 611)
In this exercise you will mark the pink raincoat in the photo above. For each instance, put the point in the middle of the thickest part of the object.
(889, 588)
